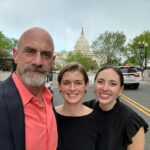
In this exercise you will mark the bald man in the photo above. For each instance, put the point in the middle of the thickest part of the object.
(27, 121)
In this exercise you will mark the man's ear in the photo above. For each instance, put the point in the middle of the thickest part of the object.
(54, 57)
(15, 53)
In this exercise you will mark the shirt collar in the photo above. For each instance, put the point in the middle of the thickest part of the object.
(26, 96)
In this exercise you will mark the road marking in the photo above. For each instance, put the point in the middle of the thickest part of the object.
(140, 107)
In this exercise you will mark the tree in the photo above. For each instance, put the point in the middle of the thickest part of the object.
(86, 61)
(133, 48)
(108, 47)
(6, 46)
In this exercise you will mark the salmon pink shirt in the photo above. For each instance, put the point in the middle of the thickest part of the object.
(40, 122)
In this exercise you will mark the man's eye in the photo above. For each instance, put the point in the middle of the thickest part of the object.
(31, 51)
(47, 54)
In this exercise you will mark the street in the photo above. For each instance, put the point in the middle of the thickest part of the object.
(140, 96)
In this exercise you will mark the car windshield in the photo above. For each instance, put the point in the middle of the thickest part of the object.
(128, 70)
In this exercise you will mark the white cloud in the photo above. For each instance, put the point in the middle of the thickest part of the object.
(65, 18)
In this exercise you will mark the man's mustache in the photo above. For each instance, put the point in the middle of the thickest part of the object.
(36, 69)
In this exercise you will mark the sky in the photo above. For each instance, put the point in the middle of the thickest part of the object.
(64, 19)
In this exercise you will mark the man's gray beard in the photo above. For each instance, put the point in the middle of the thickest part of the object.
(36, 81)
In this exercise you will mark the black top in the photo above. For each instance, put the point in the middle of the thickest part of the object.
(80, 133)
(122, 123)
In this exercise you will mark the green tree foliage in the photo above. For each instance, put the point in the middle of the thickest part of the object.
(86, 61)
(6, 46)
(132, 49)
(108, 47)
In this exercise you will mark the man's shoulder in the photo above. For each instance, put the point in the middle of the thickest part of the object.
(6, 84)
(1, 93)
(1, 88)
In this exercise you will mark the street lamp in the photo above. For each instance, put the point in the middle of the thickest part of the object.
(141, 46)
(146, 46)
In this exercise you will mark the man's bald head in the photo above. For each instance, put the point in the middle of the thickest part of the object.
(39, 34)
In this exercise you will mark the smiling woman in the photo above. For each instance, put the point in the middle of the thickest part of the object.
(79, 126)
(125, 129)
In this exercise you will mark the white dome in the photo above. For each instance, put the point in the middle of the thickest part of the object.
(82, 44)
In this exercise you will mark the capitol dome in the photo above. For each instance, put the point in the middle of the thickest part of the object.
(82, 44)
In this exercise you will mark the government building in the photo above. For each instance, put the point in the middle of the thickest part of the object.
(81, 46)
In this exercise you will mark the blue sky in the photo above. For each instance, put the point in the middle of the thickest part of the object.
(64, 19)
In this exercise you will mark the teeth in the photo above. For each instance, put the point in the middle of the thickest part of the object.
(104, 95)
(72, 94)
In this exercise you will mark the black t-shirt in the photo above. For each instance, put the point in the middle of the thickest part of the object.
(121, 123)
(80, 133)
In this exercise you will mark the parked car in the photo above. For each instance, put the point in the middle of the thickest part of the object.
(132, 76)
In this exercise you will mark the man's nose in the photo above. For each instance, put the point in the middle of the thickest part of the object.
(38, 60)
